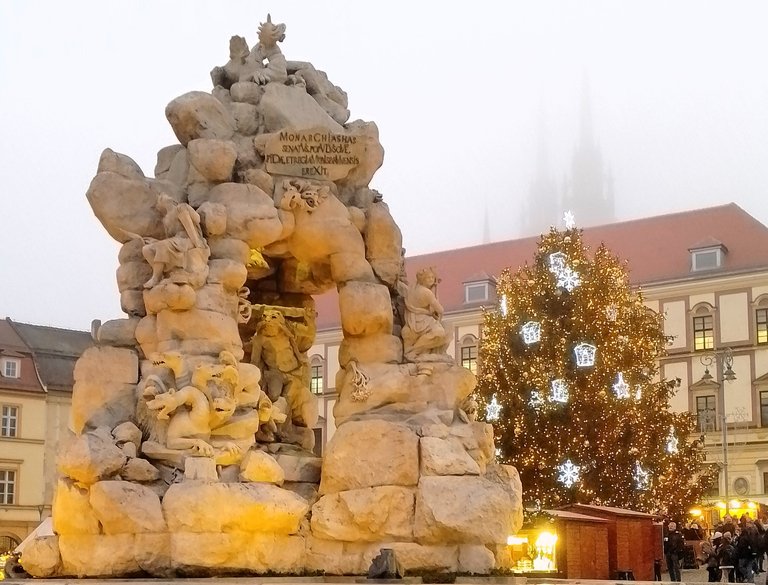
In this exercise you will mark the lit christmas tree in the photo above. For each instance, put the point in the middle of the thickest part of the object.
(569, 381)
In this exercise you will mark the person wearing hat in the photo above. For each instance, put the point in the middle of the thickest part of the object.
(708, 557)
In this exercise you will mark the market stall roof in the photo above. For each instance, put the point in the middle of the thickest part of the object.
(45, 528)
(569, 515)
(590, 508)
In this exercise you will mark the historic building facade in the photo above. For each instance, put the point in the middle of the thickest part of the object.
(705, 270)
(36, 379)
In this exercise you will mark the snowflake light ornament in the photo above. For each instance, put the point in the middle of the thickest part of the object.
(536, 400)
(642, 477)
(569, 220)
(503, 305)
(672, 441)
(621, 388)
(557, 262)
(531, 332)
(498, 453)
(559, 391)
(568, 279)
(493, 409)
(612, 312)
(638, 392)
(569, 473)
(585, 355)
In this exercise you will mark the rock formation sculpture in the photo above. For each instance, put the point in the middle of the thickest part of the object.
(192, 418)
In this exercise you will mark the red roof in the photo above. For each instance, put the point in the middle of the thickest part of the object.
(655, 248)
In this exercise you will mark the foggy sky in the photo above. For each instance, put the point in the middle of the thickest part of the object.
(679, 100)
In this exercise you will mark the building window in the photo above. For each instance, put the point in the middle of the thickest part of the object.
(11, 368)
(761, 318)
(475, 292)
(7, 486)
(707, 258)
(469, 358)
(764, 409)
(703, 333)
(765, 482)
(705, 413)
(316, 379)
(9, 422)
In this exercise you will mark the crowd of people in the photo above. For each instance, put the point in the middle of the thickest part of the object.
(736, 549)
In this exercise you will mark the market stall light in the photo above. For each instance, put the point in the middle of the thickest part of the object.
(694, 512)
(721, 505)
(516, 540)
(751, 505)
(735, 504)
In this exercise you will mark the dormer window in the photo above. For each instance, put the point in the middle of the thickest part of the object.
(479, 289)
(707, 256)
(10, 367)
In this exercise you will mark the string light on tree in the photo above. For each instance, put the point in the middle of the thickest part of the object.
(557, 263)
(642, 477)
(493, 409)
(620, 387)
(585, 355)
(531, 332)
(672, 441)
(537, 400)
(565, 403)
(568, 473)
(559, 391)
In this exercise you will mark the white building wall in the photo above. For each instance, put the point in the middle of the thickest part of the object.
(679, 401)
(734, 318)
(675, 319)
(738, 393)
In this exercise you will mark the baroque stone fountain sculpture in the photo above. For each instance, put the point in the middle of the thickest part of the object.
(192, 417)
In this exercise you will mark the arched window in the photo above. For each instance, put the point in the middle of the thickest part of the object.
(468, 353)
(703, 327)
(316, 375)
(8, 543)
(761, 320)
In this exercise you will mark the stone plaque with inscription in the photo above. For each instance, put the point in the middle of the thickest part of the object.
(315, 153)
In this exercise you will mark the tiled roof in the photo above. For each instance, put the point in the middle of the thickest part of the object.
(12, 345)
(656, 250)
(55, 352)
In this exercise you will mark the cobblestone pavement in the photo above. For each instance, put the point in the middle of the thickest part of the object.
(700, 576)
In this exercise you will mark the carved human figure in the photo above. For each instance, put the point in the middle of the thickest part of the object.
(183, 254)
(423, 334)
(266, 50)
(230, 73)
(284, 367)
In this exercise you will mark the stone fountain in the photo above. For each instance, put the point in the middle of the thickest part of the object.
(191, 448)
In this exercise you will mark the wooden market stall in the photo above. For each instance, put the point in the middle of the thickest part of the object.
(571, 546)
(634, 541)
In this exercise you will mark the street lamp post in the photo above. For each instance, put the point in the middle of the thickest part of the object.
(723, 360)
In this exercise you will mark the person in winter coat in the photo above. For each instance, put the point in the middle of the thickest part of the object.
(674, 547)
(708, 557)
(726, 556)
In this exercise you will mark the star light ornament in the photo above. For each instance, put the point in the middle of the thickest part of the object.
(569, 473)
(503, 305)
(531, 332)
(585, 355)
(493, 409)
(672, 441)
(569, 220)
(621, 388)
(568, 279)
(642, 477)
(559, 391)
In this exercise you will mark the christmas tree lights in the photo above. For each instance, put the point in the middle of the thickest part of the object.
(586, 391)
